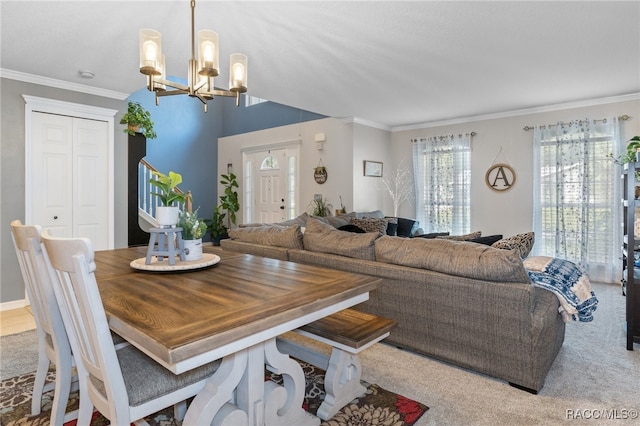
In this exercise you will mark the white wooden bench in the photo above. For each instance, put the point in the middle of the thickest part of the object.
(348, 332)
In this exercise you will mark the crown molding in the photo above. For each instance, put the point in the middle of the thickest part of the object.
(519, 112)
(61, 84)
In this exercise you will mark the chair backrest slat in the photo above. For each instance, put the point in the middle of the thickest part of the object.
(28, 246)
(72, 271)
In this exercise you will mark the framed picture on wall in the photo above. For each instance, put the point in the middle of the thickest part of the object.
(372, 168)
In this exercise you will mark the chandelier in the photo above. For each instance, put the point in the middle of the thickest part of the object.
(201, 70)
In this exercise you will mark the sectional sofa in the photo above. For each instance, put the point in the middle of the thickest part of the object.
(464, 303)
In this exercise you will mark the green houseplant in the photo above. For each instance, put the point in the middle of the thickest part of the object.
(167, 214)
(216, 226)
(193, 228)
(320, 206)
(138, 119)
(229, 198)
(632, 152)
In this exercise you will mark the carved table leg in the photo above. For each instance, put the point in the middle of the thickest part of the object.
(283, 404)
(341, 383)
(240, 380)
(210, 405)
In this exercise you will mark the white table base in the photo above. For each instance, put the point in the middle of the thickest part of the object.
(237, 393)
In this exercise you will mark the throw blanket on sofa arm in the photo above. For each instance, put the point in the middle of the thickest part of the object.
(567, 281)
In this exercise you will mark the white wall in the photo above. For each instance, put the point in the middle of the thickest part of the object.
(368, 192)
(510, 212)
(336, 155)
(348, 144)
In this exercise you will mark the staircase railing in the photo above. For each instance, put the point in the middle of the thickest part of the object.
(147, 202)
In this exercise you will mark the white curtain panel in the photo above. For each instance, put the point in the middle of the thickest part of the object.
(577, 212)
(442, 172)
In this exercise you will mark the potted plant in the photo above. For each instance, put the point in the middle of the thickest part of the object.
(216, 226)
(320, 207)
(193, 228)
(167, 213)
(229, 199)
(632, 155)
(138, 120)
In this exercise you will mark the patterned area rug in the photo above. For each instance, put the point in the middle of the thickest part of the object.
(377, 407)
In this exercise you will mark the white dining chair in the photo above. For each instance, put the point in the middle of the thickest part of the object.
(53, 344)
(124, 385)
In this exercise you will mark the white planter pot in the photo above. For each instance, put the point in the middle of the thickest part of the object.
(167, 216)
(193, 249)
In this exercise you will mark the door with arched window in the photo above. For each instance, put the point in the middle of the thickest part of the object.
(270, 181)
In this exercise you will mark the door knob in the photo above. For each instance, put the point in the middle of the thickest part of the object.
(281, 207)
(55, 217)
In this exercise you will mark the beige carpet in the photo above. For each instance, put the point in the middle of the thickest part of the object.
(593, 376)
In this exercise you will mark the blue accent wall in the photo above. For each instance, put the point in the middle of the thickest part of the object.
(187, 141)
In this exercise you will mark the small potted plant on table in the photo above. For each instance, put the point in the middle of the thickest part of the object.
(167, 213)
(193, 228)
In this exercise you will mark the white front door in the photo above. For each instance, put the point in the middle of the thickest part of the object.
(69, 177)
(272, 190)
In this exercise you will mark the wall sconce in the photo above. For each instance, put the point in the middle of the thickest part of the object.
(320, 138)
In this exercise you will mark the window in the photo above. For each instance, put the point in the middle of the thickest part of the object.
(577, 208)
(443, 174)
(269, 163)
(248, 189)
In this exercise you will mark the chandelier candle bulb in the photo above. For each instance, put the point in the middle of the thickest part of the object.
(208, 52)
(238, 73)
(150, 52)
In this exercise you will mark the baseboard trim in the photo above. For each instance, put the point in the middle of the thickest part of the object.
(14, 304)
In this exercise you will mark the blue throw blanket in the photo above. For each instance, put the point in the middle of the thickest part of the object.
(567, 281)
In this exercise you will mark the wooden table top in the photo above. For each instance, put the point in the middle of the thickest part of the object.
(176, 317)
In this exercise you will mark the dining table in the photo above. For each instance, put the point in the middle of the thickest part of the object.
(230, 310)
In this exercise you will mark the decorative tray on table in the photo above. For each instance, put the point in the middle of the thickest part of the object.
(207, 259)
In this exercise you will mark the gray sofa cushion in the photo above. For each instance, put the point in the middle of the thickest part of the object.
(271, 235)
(465, 237)
(324, 238)
(458, 258)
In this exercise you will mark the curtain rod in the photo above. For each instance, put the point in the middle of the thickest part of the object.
(446, 136)
(624, 117)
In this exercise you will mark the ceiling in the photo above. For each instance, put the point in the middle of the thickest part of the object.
(390, 63)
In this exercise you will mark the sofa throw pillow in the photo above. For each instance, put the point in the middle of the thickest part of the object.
(453, 257)
(338, 221)
(406, 227)
(371, 225)
(488, 240)
(300, 220)
(465, 237)
(392, 227)
(271, 235)
(324, 238)
(521, 242)
(352, 228)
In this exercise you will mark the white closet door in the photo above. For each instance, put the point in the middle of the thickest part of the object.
(70, 176)
(90, 181)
